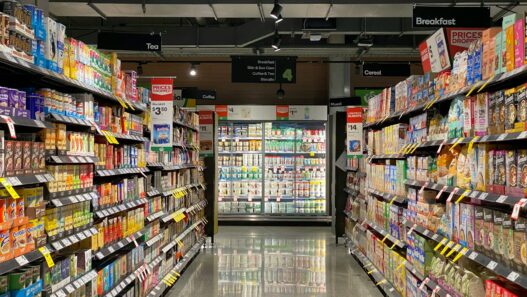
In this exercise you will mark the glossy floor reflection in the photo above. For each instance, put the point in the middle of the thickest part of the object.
(274, 261)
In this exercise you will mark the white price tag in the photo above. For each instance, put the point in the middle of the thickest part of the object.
(40, 178)
(69, 288)
(14, 181)
(502, 198)
(111, 249)
(66, 242)
(474, 194)
(21, 260)
(81, 236)
(522, 135)
(435, 237)
(57, 202)
(502, 136)
(473, 255)
(513, 276)
(74, 160)
(483, 196)
(40, 124)
(492, 265)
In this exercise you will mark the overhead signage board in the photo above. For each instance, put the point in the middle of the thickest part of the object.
(385, 69)
(263, 69)
(129, 42)
(433, 16)
(434, 53)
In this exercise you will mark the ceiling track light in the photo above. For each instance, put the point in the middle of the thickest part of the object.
(193, 70)
(279, 19)
(277, 40)
(277, 9)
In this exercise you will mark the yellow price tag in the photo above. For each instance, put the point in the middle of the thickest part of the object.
(244, 168)
(45, 252)
(394, 244)
(471, 90)
(7, 185)
(311, 154)
(462, 253)
(402, 149)
(443, 241)
(372, 271)
(415, 148)
(255, 169)
(471, 144)
(384, 239)
(456, 143)
(455, 249)
(121, 102)
(393, 200)
(400, 265)
(486, 83)
(465, 193)
(409, 148)
(176, 273)
(381, 282)
(449, 245)
(165, 281)
(180, 244)
(107, 136)
(131, 105)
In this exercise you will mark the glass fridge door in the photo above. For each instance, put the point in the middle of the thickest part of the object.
(279, 168)
(310, 169)
(240, 162)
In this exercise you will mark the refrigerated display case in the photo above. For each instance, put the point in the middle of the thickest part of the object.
(272, 169)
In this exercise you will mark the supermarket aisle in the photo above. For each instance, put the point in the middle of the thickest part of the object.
(274, 261)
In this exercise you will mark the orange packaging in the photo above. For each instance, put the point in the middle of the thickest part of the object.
(11, 209)
(5, 245)
(19, 239)
(20, 205)
(488, 51)
(3, 210)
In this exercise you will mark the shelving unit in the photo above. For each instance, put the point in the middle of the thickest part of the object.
(446, 186)
(81, 193)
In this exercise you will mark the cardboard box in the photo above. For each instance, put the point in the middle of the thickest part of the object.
(508, 28)
(519, 43)
(488, 39)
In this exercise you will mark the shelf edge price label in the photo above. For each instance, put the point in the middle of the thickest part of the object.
(7, 185)
(47, 256)
(10, 124)
(442, 242)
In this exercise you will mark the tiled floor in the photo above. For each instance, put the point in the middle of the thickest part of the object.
(274, 261)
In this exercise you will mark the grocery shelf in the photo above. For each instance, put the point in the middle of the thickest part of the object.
(379, 279)
(20, 261)
(154, 239)
(161, 287)
(110, 249)
(121, 171)
(198, 205)
(59, 80)
(108, 211)
(73, 285)
(25, 122)
(239, 198)
(187, 187)
(388, 156)
(505, 200)
(235, 138)
(28, 179)
(58, 118)
(240, 152)
(479, 258)
(66, 200)
(170, 167)
(153, 192)
(182, 235)
(195, 128)
(349, 215)
(125, 282)
(171, 216)
(387, 197)
(72, 159)
(186, 146)
(495, 82)
(126, 137)
(155, 216)
(62, 243)
(431, 284)
(384, 234)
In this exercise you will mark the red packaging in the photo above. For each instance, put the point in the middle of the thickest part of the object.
(11, 209)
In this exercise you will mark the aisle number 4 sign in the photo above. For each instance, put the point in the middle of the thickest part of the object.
(354, 132)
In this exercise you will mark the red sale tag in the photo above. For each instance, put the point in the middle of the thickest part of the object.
(10, 124)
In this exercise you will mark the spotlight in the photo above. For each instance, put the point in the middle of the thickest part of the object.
(276, 42)
(193, 71)
(279, 19)
(280, 93)
(277, 9)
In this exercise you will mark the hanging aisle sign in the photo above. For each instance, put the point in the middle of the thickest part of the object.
(162, 111)
(354, 132)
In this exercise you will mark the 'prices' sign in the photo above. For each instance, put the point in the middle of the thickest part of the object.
(459, 39)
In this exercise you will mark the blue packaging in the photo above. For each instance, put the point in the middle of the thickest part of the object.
(38, 26)
(21, 99)
(31, 9)
(12, 98)
(4, 97)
